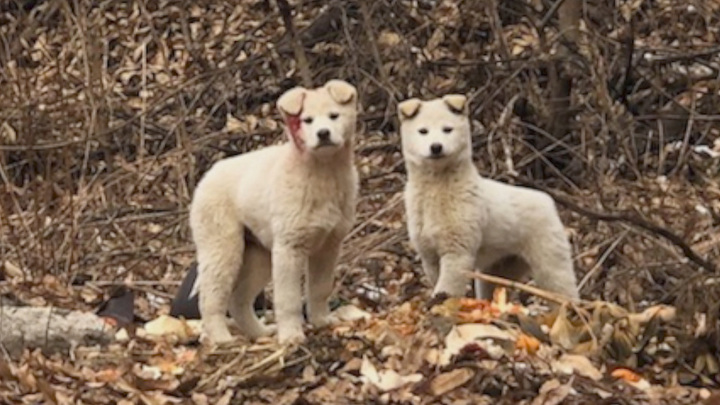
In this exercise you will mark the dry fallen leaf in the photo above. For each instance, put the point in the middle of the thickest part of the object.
(570, 363)
(8, 133)
(121, 335)
(631, 378)
(167, 366)
(385, 380)
(626, 374)
(527, 343)
(447, 382)
(486, 336)
(167, 326)
(108, 375)
(6, 373)
(26, 378)
(665, 313)
(12, 270)
(349, 313)
(388, 39)
(563, 332)
(552, 392)
(233, 124)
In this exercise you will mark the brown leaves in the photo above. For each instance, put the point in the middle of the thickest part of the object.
(477, 310)
(601, 326)
(447, 382)
(527, 343)
(386, 380)
(574, 363)
(625, 374)
(553, 392)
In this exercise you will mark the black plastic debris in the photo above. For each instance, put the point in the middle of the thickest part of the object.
(184, 306)
(120, 306)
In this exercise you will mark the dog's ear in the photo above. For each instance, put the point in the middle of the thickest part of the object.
(291, 102)
(409, 108)
(456, 103)
(341, 91)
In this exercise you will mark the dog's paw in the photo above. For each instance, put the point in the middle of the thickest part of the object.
(218, 336)
(261, 331)
(291, 336)
(324, 320)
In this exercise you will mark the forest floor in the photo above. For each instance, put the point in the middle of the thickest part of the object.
(111, 112)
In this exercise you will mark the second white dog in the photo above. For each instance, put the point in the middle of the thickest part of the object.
(459, 221)
(279, 212)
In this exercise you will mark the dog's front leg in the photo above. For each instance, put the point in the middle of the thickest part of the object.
(288, 266)
(431, 265)
(320, 282)
(452, 279)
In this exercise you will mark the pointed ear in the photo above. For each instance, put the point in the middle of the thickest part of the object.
(341, 91)
(291, 102)
(409, 108)
(456, 103)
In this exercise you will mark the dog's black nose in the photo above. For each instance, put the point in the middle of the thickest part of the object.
(324, 134)
(436, 149)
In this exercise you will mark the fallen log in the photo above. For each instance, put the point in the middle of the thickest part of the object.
(51, 329)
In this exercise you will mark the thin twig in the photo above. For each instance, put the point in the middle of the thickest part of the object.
(146, 283)
(635, 221)
(212, 378)
(252, 370)
(546, 295)
(298, 48)
(682, 155)
(601, 260)
(549, 15)
(630, 50)
(367, 25)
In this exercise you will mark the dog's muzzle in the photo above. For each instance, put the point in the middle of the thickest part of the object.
(324, 139)
(436, 151)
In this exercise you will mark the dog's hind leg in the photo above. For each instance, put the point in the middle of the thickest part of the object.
(254, 276)
(549, 257)
(220, 246)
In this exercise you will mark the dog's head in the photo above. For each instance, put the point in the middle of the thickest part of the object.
(321, 120)
(435, 131)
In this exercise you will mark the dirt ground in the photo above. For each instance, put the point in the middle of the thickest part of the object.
(111, 111)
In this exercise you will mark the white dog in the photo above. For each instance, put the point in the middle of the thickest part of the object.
(279, 212)
(459, 221)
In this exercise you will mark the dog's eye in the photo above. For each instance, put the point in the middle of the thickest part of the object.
(447, 130)
(307, 120)
(334, 116)
(423, 131)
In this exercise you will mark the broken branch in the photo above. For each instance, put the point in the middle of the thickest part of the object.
(300, 56)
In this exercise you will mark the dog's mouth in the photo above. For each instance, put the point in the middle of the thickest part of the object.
(436, 157)
(326, 144)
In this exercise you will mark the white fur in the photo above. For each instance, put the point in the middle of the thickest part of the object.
(459, 221)
(298, 201)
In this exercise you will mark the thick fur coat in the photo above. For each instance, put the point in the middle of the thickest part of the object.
(278, 213)
(459, 221)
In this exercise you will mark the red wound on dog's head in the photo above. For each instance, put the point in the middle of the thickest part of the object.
(293, 124)
(291, 106)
